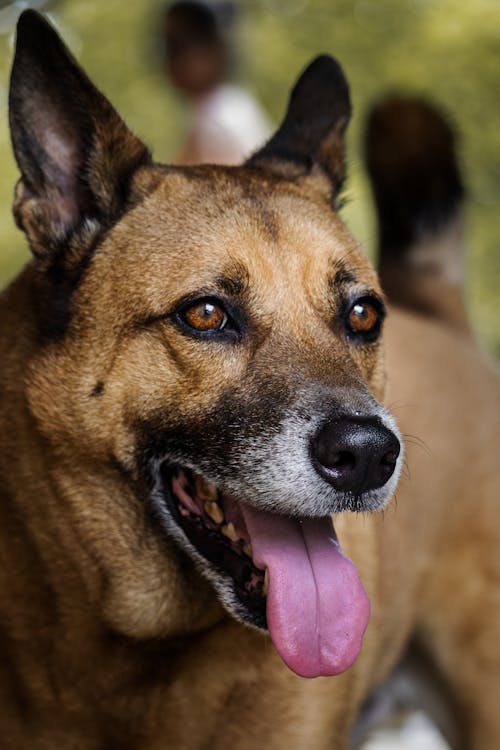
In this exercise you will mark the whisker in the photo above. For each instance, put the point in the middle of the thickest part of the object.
(415, 440)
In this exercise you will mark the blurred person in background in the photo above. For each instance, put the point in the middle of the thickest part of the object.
(226, 122)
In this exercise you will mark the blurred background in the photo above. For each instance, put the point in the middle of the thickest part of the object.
(448, 50)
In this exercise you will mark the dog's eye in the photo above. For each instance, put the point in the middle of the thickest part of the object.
(364, 317)
(205, 316)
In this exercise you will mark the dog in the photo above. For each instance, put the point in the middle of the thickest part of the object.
(198, 374)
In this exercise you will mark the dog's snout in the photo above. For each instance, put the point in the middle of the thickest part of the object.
(356, 455)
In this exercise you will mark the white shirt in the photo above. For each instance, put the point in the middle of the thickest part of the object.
(228, 125)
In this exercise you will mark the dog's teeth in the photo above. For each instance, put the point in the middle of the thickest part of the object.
(247, 549)
(205, 489)
(229, 531)
(214, 510)
(265, 587)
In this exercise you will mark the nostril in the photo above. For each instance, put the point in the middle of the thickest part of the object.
(385, 468)
(342, 460)
(390, 458)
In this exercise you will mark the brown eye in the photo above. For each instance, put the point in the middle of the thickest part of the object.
(205, 316)
(365, 317)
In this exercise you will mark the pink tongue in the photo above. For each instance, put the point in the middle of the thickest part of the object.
(317, 609)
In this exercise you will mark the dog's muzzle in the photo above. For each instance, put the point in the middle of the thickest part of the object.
(257, 521)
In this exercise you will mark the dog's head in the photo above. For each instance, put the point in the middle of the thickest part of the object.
(213, 336)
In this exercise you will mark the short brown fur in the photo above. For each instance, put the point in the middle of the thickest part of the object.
(109, 637)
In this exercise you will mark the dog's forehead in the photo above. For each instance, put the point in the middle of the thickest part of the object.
(203, 220)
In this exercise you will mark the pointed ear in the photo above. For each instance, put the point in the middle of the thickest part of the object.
(75, 154)
(310, 141)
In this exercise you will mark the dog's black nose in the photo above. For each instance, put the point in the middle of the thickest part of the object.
(356, 454)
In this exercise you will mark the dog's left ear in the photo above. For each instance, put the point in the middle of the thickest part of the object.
(309, 144)
(75, 154)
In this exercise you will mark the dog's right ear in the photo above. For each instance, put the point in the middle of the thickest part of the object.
(75, 154)
(309, 144)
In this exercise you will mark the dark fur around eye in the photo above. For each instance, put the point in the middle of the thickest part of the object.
(210, 318)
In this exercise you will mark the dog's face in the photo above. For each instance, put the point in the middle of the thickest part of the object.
(220, 346)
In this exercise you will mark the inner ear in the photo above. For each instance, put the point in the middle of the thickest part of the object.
(310, 141)
(75, 154)
(50, 201)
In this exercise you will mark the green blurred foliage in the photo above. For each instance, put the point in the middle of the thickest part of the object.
(447, 50)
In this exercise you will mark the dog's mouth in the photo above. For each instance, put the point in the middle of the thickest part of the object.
(215, 526)
(272, 571)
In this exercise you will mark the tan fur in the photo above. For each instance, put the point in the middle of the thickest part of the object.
(83, 572)
(109, 638)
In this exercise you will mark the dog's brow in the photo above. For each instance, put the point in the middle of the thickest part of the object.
(234, 283)
(341, 275)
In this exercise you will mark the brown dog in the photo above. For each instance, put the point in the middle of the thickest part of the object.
(192, 377)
